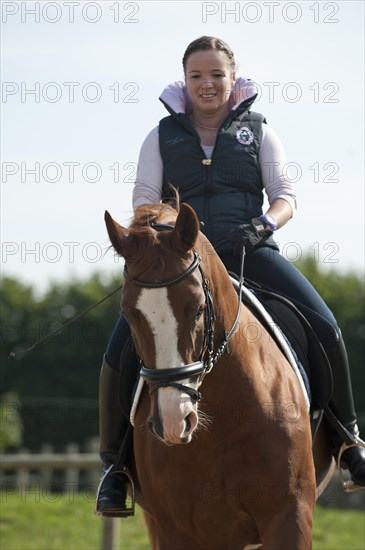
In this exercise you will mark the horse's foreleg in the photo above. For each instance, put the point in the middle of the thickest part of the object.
(289, 529)
(152, 531)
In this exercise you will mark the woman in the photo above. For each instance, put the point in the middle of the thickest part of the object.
(221, 156)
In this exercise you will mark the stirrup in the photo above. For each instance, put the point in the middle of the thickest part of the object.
(130, 500)
(349, 486)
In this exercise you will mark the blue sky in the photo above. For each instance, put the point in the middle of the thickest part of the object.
(80, 87)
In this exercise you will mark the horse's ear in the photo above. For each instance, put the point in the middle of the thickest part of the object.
(118, 235)
(186, 229)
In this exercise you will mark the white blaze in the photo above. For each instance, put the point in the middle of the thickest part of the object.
(174, 406)
(154, 304)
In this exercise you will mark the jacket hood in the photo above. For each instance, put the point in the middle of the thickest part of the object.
(176, 97)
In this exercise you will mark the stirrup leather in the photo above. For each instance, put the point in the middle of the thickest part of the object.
(130, 499)
(349, 486)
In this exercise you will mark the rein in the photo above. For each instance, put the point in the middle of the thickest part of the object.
(160, 378)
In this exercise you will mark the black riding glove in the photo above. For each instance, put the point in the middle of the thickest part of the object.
(249, 235)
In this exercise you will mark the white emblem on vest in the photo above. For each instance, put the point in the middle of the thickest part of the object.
(244, 136)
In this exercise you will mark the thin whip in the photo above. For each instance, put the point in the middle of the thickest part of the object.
(15, 354)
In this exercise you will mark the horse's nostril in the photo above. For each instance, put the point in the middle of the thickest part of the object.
(187, 424)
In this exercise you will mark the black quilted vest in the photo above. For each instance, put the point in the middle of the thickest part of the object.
(228, 191)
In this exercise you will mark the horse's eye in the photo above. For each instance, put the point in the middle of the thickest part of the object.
(199, 312)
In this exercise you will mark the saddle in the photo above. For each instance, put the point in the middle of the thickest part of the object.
(294, 325)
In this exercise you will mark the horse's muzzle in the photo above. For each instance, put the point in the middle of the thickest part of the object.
(174, 432)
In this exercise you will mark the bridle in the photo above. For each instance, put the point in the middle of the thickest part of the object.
(161, 378)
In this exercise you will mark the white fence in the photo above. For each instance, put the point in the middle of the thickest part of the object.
(70, 468)
(49, 472)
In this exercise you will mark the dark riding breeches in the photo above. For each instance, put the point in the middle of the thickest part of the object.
(267, 267)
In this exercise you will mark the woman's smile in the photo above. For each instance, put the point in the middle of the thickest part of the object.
(209, 79)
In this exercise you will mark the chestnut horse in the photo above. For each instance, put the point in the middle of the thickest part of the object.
(237, 470)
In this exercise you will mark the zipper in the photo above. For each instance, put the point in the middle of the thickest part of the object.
(207, 197)
(207, 163)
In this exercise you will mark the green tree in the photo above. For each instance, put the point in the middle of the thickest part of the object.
(57, 382)
(344, 295)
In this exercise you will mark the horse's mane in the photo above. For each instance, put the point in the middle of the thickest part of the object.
(148, 214)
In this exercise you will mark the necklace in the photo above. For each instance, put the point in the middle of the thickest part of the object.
(205, 127)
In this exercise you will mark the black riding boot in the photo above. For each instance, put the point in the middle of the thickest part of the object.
(113, 426)
(342, 404)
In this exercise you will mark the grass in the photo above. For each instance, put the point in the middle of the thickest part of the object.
(60, 522)
(66, 522)
(338, 529)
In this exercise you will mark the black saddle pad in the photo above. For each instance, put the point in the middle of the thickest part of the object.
(303, 339)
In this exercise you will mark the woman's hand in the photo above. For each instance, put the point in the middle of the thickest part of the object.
(249, 235)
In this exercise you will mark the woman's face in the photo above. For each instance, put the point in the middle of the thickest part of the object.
(209, 79)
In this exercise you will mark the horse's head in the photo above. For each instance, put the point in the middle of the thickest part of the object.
(167, 304)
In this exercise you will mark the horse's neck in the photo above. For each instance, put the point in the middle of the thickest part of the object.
(225, 300)
(241, 362)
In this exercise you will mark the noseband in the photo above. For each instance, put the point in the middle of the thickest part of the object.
(161, 378)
